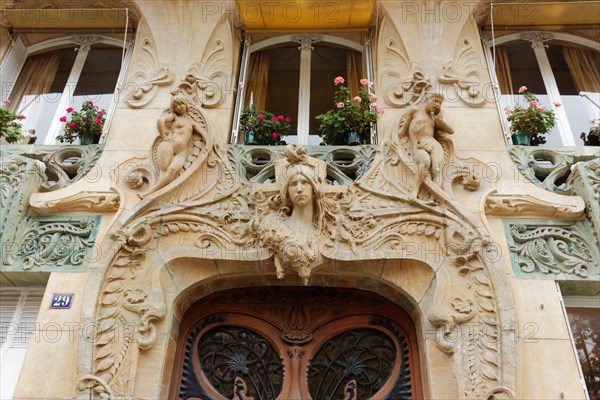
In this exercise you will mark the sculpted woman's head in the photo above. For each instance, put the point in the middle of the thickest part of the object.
(300, 190)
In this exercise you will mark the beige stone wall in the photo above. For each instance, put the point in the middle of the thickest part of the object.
(178, 34)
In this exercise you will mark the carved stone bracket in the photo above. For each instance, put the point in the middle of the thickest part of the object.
(82, 201)
(512, 204)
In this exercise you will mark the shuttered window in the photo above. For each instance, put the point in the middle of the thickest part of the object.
(18, 313)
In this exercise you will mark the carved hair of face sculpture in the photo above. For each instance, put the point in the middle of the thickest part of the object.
(299, 191)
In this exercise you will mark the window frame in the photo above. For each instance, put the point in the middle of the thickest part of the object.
(304, 41)
(543, 62)
(16, 57)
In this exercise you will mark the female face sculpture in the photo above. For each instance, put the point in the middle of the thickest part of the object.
(300, 191)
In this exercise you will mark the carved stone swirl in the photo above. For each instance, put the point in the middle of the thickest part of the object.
(463, 74)
(537, 39)
(554, 250)
(403, 80)
(54, 242)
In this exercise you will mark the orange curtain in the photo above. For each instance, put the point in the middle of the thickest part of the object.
(584, 66)
(354, 71)
(36, 78)
(503, 71)
(258, 78)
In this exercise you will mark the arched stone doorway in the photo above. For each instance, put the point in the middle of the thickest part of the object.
(296, 343)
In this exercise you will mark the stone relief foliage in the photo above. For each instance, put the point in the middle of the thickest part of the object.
(145, 85)
(403, 80)
(463, 72)
(83, 201)
(554, 250)
(406, 81)
(46, 242)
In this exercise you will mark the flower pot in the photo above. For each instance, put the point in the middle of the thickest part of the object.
(521, 138)
(250, 138)
(352, 138)
(88, 138)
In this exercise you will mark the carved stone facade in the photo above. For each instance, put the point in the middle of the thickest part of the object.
(439, 219)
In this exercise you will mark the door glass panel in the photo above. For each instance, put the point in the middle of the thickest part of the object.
(230, 352)
(363, 358)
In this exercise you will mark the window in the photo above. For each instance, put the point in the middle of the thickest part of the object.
(61, 73)
(18, 313)
(557, 68)
(293, 75)
(583, 314)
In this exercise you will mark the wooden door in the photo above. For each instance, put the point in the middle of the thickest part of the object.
(296, 343)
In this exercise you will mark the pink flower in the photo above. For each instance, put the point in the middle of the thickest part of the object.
(7, 102)
(338, 80)
(288, 119)
(274, 135)
(70, 109)
(557, 104)
(261, 118)
(522, 89)
(523, 109)
(274, 118)
(261, 112)
(533, 103)
(63, 119)
(508, 110)
(91, 103)
(98, 121)
(373, 96)
(72, 125)
(541, 108)
(364, 82)
(100, 113)
(356, 99)
(22, 116)
(280, 117)
(340, 104)
(379, 110)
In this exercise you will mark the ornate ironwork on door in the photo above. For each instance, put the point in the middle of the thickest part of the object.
(246, 345)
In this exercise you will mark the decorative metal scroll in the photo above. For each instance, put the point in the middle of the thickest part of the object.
(366, 356)
(228, 352)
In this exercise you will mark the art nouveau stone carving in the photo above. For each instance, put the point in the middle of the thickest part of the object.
(304, 215)
(554, 250)
(81, 201)
(512, 204)
(51, 241)
(463, 72)
(183, 140)
(149, 73)
(422, 144)
(301, 221)
(403, 80)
